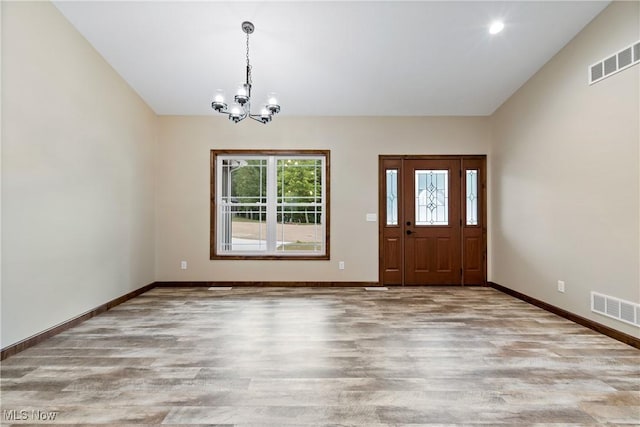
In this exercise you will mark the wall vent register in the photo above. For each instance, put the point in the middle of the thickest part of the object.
(612, 64)
(616, 308)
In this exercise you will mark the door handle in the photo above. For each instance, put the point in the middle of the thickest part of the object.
(409, 232)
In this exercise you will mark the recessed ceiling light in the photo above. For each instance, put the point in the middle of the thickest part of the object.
(496, 27)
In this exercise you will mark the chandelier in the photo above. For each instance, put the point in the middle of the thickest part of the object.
(242, 107)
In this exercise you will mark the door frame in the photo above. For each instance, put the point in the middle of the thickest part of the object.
(382, 206)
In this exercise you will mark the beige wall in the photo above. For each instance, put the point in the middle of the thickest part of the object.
(565, 162)
(182, 203)
(77, 175)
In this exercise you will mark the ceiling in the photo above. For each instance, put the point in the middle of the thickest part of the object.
(324, 58)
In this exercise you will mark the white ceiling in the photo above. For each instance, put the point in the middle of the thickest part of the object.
(323, 58)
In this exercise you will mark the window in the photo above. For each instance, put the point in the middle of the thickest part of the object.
(269, 204)
(392, 196)
(472, 196)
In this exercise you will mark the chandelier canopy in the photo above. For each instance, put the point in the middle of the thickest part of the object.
(241, 109)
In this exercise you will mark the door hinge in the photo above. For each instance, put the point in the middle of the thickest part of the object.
(460, 272)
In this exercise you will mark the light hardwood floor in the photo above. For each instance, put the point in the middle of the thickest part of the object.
(319, 357)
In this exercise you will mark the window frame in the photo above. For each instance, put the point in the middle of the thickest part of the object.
(213, 243)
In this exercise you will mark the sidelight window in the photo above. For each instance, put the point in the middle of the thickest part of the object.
(392, 196)
(472, 196)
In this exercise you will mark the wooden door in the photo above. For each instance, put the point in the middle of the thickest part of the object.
(432, 220)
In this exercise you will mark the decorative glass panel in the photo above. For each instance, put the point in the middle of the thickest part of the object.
(392, 197)
(432, 197)
(472, 197)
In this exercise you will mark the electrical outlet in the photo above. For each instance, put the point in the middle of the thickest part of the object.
(560, 286)
(183, 265)
(341, 265)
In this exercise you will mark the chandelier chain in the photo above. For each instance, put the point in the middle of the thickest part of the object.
(248, 64)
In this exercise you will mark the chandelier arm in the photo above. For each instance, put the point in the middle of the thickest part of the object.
(229, 115)
(246, 111)
(255, 117)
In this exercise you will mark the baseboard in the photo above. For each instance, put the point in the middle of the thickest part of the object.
(178, 284)
(55, 330)
(598, 327)
(187, 284)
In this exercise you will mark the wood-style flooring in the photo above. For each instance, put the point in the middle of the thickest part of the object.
(325, 357)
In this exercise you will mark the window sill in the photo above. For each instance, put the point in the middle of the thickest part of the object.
(271, 257)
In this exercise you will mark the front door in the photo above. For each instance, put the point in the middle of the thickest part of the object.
(432, 220)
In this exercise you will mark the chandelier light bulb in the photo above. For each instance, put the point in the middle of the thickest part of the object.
(265, 115)
(243, 94)
(218, 102)
(236, 113)
(272, 104)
